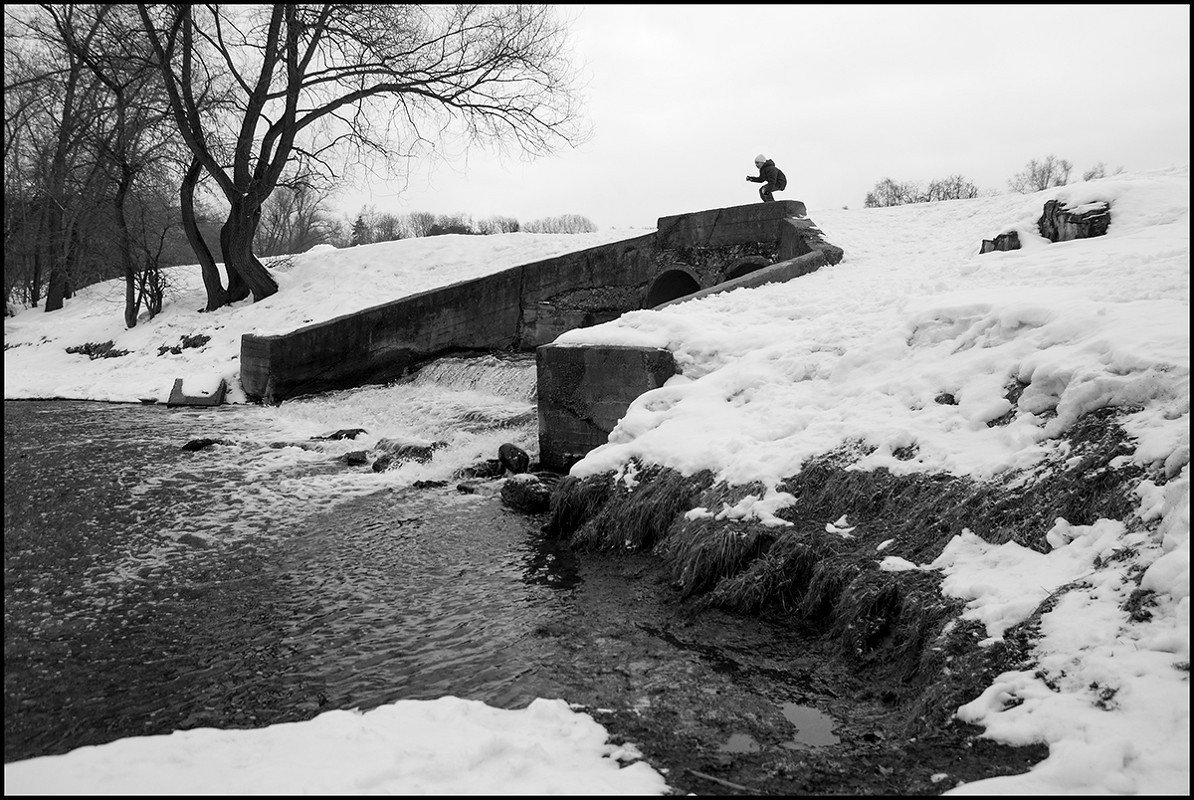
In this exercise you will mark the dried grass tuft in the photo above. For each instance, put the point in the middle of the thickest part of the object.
(575, 501)
(701, 555)
(602, 513)
(779, 577)
(702, 552)
(829, 579)
(649, 510)
(888, 618)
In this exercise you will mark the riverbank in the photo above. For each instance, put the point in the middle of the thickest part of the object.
(858, 618)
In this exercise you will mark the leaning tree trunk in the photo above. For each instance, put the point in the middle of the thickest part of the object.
(236, 240)
(238, 289)
(132, 303)
(35, 278)
(61, 286)
(56, 288)
(217, 295)
(62, 271)
(59, 258)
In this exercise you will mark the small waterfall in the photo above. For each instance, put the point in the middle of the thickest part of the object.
(466, 406)
(506, 375)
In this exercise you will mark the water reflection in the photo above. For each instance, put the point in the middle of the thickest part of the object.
(813, 728)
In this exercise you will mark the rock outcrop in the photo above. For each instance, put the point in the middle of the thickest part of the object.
(1061, 224)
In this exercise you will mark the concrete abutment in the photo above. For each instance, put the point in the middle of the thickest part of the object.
(583, 391)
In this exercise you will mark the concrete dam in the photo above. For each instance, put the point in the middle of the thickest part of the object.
(583, 391)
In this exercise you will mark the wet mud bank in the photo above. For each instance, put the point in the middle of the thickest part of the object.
(724, 703)
(726, 641)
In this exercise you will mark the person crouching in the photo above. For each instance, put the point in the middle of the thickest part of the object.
(771, 176)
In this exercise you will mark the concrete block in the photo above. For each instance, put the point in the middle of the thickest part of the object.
(758, 222)
(585, 390)
(177, 398)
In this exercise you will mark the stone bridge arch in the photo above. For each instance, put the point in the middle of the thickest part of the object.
(670, 284)
(744, 266)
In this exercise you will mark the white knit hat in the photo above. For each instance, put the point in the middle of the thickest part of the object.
(760, 159)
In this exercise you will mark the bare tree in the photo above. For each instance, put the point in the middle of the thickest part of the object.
(361, 75)
(340, 233)
(89, 149)
(952, 187)
(49, 156)
(1099, 170)
(135, 139)
(295, 218)
(23, 200)
(1040, 175)
(498, 224)
(389, 228)
(890, 193)
(419, 223)
(154, 221)
(217, 295)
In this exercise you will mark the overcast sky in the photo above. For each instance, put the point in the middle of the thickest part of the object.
(682, 98)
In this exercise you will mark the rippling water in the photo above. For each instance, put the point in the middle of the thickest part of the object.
(149, 589)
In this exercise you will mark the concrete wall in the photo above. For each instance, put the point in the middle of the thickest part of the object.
(502, 311)
(378, 344)
(584, 391)
(585, 288)
(530, 305)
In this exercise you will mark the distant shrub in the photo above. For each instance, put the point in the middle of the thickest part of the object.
(1040, 175)
(198, 340)
(951, 187)
(491, 225)
(450, 224)
(565, 223)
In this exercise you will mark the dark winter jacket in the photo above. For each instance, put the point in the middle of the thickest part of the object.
(768, 173)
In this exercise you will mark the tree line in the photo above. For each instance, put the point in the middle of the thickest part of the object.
(136, 132)
(1037, 175)
(294, 221)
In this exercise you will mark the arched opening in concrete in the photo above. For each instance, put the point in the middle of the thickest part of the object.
(670, 285)
(745, 266)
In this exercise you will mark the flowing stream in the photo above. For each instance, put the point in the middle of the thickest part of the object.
(264, 579)
(269, 577)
